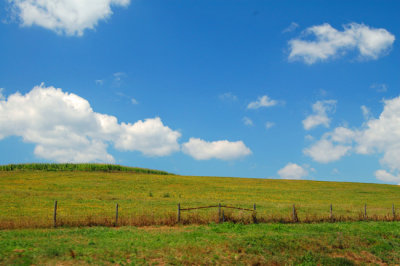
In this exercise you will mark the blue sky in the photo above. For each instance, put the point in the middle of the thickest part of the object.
(283, 89)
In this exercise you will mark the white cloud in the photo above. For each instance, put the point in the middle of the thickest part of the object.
(332, 146)
(387, 177)
(262, 101)
(99, 82)
(66, 129)
(291, 27)
(247, 121)
(228, 96)
(222, 149)
(376, 136)
(341, 135)
(65, 16)
(379, 87)
(268, 125)
(320, 114)
(324, 151)
(366, 112)
(329, 42)
(292, 171)
(134, 101)
(382, 135)
(150, 137)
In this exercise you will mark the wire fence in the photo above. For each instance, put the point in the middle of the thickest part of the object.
(76, 214)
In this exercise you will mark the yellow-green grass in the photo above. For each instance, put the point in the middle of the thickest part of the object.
(84, 198)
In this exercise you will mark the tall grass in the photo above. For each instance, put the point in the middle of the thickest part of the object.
(86, 167)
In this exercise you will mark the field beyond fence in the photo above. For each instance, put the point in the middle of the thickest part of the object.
(90, 198)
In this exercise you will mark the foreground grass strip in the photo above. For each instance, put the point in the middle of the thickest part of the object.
(308, 244)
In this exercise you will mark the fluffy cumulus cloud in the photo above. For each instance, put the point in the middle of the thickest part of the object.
(382, 135)
(377, 136)
(325, 151)
(64, 128)
(321, 109)
(328, 42)
(292, 171)
(64, 16)
(222, 149)
(332, 146)
(262, 101)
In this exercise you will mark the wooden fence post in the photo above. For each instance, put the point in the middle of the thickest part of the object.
(365, 211)
(331, 213)
(394, 212)
(295, 218)
(219, 212)
(255, 213)
(223, 216)
(179, 212)
(116, 215)
(55, 214)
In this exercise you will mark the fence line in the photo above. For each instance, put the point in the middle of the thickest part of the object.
(215, 206)
(221, 215)
(58, 217)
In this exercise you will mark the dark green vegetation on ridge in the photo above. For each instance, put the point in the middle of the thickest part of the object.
(86, 167)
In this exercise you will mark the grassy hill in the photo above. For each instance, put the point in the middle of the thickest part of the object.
(89, 197)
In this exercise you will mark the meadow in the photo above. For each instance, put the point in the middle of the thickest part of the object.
(89, 197)
(345, 243)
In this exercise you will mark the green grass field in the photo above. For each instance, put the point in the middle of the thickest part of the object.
(356, 243)
(89, 197)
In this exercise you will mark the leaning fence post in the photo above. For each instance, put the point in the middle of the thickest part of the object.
(394, 212)
(331, 213)
(55, 214)
(219, 212)
(365, 211)
(116, 215)
(179, 212)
